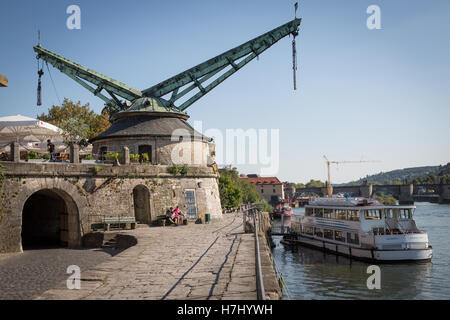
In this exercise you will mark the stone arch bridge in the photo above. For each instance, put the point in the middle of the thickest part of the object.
(405, 194)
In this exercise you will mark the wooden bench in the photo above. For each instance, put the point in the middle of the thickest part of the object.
(107, 221)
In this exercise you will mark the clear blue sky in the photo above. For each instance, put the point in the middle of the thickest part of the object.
(377, 94)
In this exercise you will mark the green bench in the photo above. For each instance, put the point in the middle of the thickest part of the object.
(107, 221)
(162, 220)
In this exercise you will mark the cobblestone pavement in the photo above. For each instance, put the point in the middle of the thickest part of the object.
(197, 261)
(28, 274)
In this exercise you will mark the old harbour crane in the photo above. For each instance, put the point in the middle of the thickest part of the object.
(166, 93)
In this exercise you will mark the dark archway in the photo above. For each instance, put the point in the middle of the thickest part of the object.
(45, 219)
(141, 199)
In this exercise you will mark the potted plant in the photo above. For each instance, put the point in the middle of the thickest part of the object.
(32, 157)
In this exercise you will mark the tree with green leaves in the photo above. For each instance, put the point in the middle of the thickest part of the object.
(78, 122)
(230, 195)
(315, 184)
(230, 181)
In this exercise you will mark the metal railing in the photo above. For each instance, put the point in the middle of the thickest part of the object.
(257, 226)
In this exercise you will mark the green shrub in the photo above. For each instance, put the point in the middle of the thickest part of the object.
(96, 169)
(184, 169)
(175, 169)
(113, 156)
(89, 157)
(32, 155)
(47, 156)
(134, 157)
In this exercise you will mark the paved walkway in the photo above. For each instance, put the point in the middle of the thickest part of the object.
(29, 274)
(197, 261)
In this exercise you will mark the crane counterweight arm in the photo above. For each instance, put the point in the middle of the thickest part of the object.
(79, 73)
(235, 58)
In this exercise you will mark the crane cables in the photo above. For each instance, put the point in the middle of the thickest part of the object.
(294, 62)
(294, 51)
(53, 83)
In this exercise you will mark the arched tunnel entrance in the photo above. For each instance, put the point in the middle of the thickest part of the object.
(45, 219)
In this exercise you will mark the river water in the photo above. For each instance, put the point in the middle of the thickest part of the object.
(313, 274)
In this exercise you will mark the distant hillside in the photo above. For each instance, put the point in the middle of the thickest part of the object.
(417, 175)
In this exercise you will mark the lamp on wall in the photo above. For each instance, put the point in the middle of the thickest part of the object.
(199, 184)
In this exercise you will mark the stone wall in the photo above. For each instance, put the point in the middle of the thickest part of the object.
(93, 191)
(164, 150)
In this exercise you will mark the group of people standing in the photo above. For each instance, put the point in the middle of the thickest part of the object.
(175, 216)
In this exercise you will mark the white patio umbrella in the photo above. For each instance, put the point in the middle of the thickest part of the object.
(27, 130)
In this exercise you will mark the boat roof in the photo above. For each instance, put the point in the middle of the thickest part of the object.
(360, 207)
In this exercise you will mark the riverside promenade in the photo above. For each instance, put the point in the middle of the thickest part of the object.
(197, 261)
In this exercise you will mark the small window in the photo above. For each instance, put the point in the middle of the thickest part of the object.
(318, 212)
(308, 212)
(273, 190)
(192, 212)
(102, 152)
(146, 151)
(308, 230)
(190, 197)
(339, 236)
(318, 232)
(352, 238)
(353, 215)
(328, 234)
(341, 214)
(372, 214)
(262, 190)
(328, 213)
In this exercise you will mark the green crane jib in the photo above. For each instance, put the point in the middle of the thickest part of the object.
(191, 79)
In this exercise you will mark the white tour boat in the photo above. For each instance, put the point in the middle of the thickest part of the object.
(362, 229)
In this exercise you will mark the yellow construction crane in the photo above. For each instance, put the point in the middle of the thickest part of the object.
(329, 189)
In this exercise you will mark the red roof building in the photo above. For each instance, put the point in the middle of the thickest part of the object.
(268, 187)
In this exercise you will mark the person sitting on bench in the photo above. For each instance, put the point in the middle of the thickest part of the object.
(169, 215)
(178, 215)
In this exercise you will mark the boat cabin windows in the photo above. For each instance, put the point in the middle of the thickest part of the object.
(404, 214)
(328, 214)
(318, 232)
(341, 214)
(308, 230)
(378, 231)
(339, 236)
(353, 215)
(372, 214)
(309, 212)
(398, 213)
(328, 234)
(388, 214)
(352, 238)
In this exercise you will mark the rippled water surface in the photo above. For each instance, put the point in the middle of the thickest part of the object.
(312, 274)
